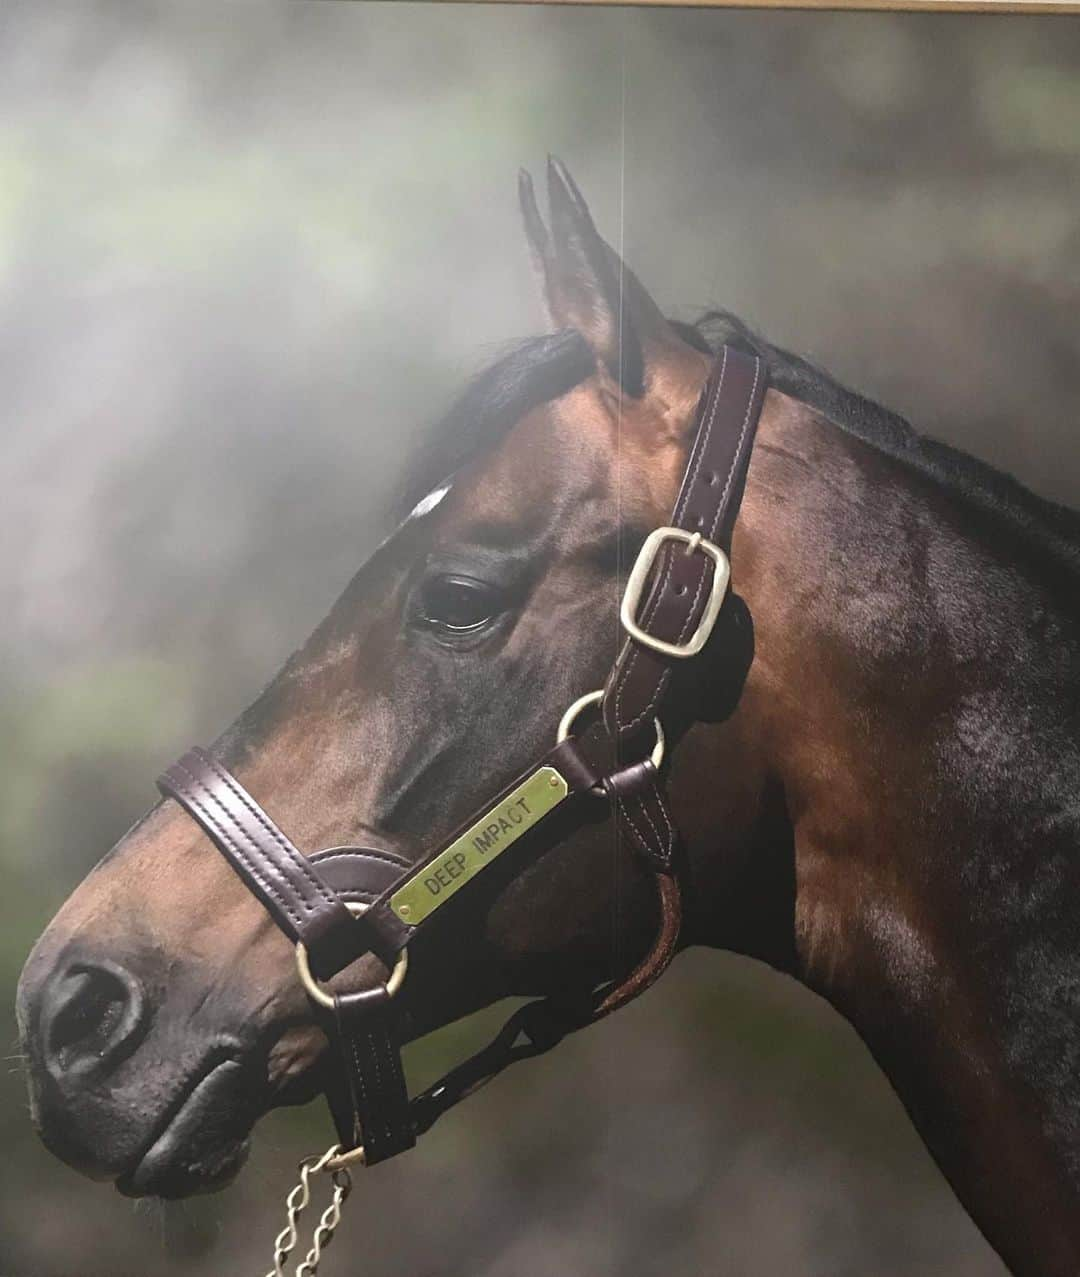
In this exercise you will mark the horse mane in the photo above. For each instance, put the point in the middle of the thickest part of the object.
(1048, 526)
(541, 369)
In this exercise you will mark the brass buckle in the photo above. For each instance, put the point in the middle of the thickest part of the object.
(315, 990)
(635, 588)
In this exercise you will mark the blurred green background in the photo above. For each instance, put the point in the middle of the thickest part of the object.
(246, 254)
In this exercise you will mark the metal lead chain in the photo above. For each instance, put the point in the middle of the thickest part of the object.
(331, 1217)
(297, 1202)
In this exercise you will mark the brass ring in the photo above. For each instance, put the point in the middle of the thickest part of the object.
(594, 698)
(314, 988)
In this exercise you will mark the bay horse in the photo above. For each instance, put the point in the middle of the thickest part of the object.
(877, 775)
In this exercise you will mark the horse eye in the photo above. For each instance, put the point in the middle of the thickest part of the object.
(458, 604)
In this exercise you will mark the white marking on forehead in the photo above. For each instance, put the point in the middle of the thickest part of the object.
(423, 507)
(426, 504)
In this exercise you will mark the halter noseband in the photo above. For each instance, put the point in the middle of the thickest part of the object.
(340, 904)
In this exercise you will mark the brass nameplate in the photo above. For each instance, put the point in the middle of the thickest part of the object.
(479, 845)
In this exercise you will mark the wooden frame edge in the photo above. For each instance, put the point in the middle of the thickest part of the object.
(849, 6)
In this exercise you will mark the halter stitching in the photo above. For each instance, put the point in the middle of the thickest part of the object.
(680, 510)
(721, 503)
(299, 861)
(197, 801)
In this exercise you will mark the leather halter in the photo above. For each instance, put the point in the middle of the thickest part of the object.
(340, 904)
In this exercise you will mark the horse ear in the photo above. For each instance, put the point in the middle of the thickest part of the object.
(587, 287)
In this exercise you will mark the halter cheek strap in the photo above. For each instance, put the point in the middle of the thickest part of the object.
(340, 904)
(679, 580)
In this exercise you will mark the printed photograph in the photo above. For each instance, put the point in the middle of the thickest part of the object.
(540, 664)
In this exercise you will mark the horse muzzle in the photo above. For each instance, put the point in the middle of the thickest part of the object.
(125, 1087)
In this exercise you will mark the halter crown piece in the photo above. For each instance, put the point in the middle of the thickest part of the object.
(340, 904)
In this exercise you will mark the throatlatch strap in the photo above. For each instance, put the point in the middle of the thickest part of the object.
(270, 866)
(538, 1026)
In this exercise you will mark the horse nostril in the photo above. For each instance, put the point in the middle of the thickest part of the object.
(90, 1014)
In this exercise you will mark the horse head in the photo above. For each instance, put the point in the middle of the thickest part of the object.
(898, 830)
(160, 1009)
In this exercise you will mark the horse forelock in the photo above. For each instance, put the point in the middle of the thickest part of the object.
(531, 373)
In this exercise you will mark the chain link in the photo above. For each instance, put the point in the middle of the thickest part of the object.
(331, 1217)
(297, 1202)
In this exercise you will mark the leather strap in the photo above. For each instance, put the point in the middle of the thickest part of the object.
(368, 1099)
(309, 910)
(387, 934)
(542, 1024)
(637, 801)
(360, 875)
(267, 862)
(368, 1096)
(367, 1093)
(708, 503)
(587, 764)
(306, 897)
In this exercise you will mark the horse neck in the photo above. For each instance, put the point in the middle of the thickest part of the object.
(909, 699)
